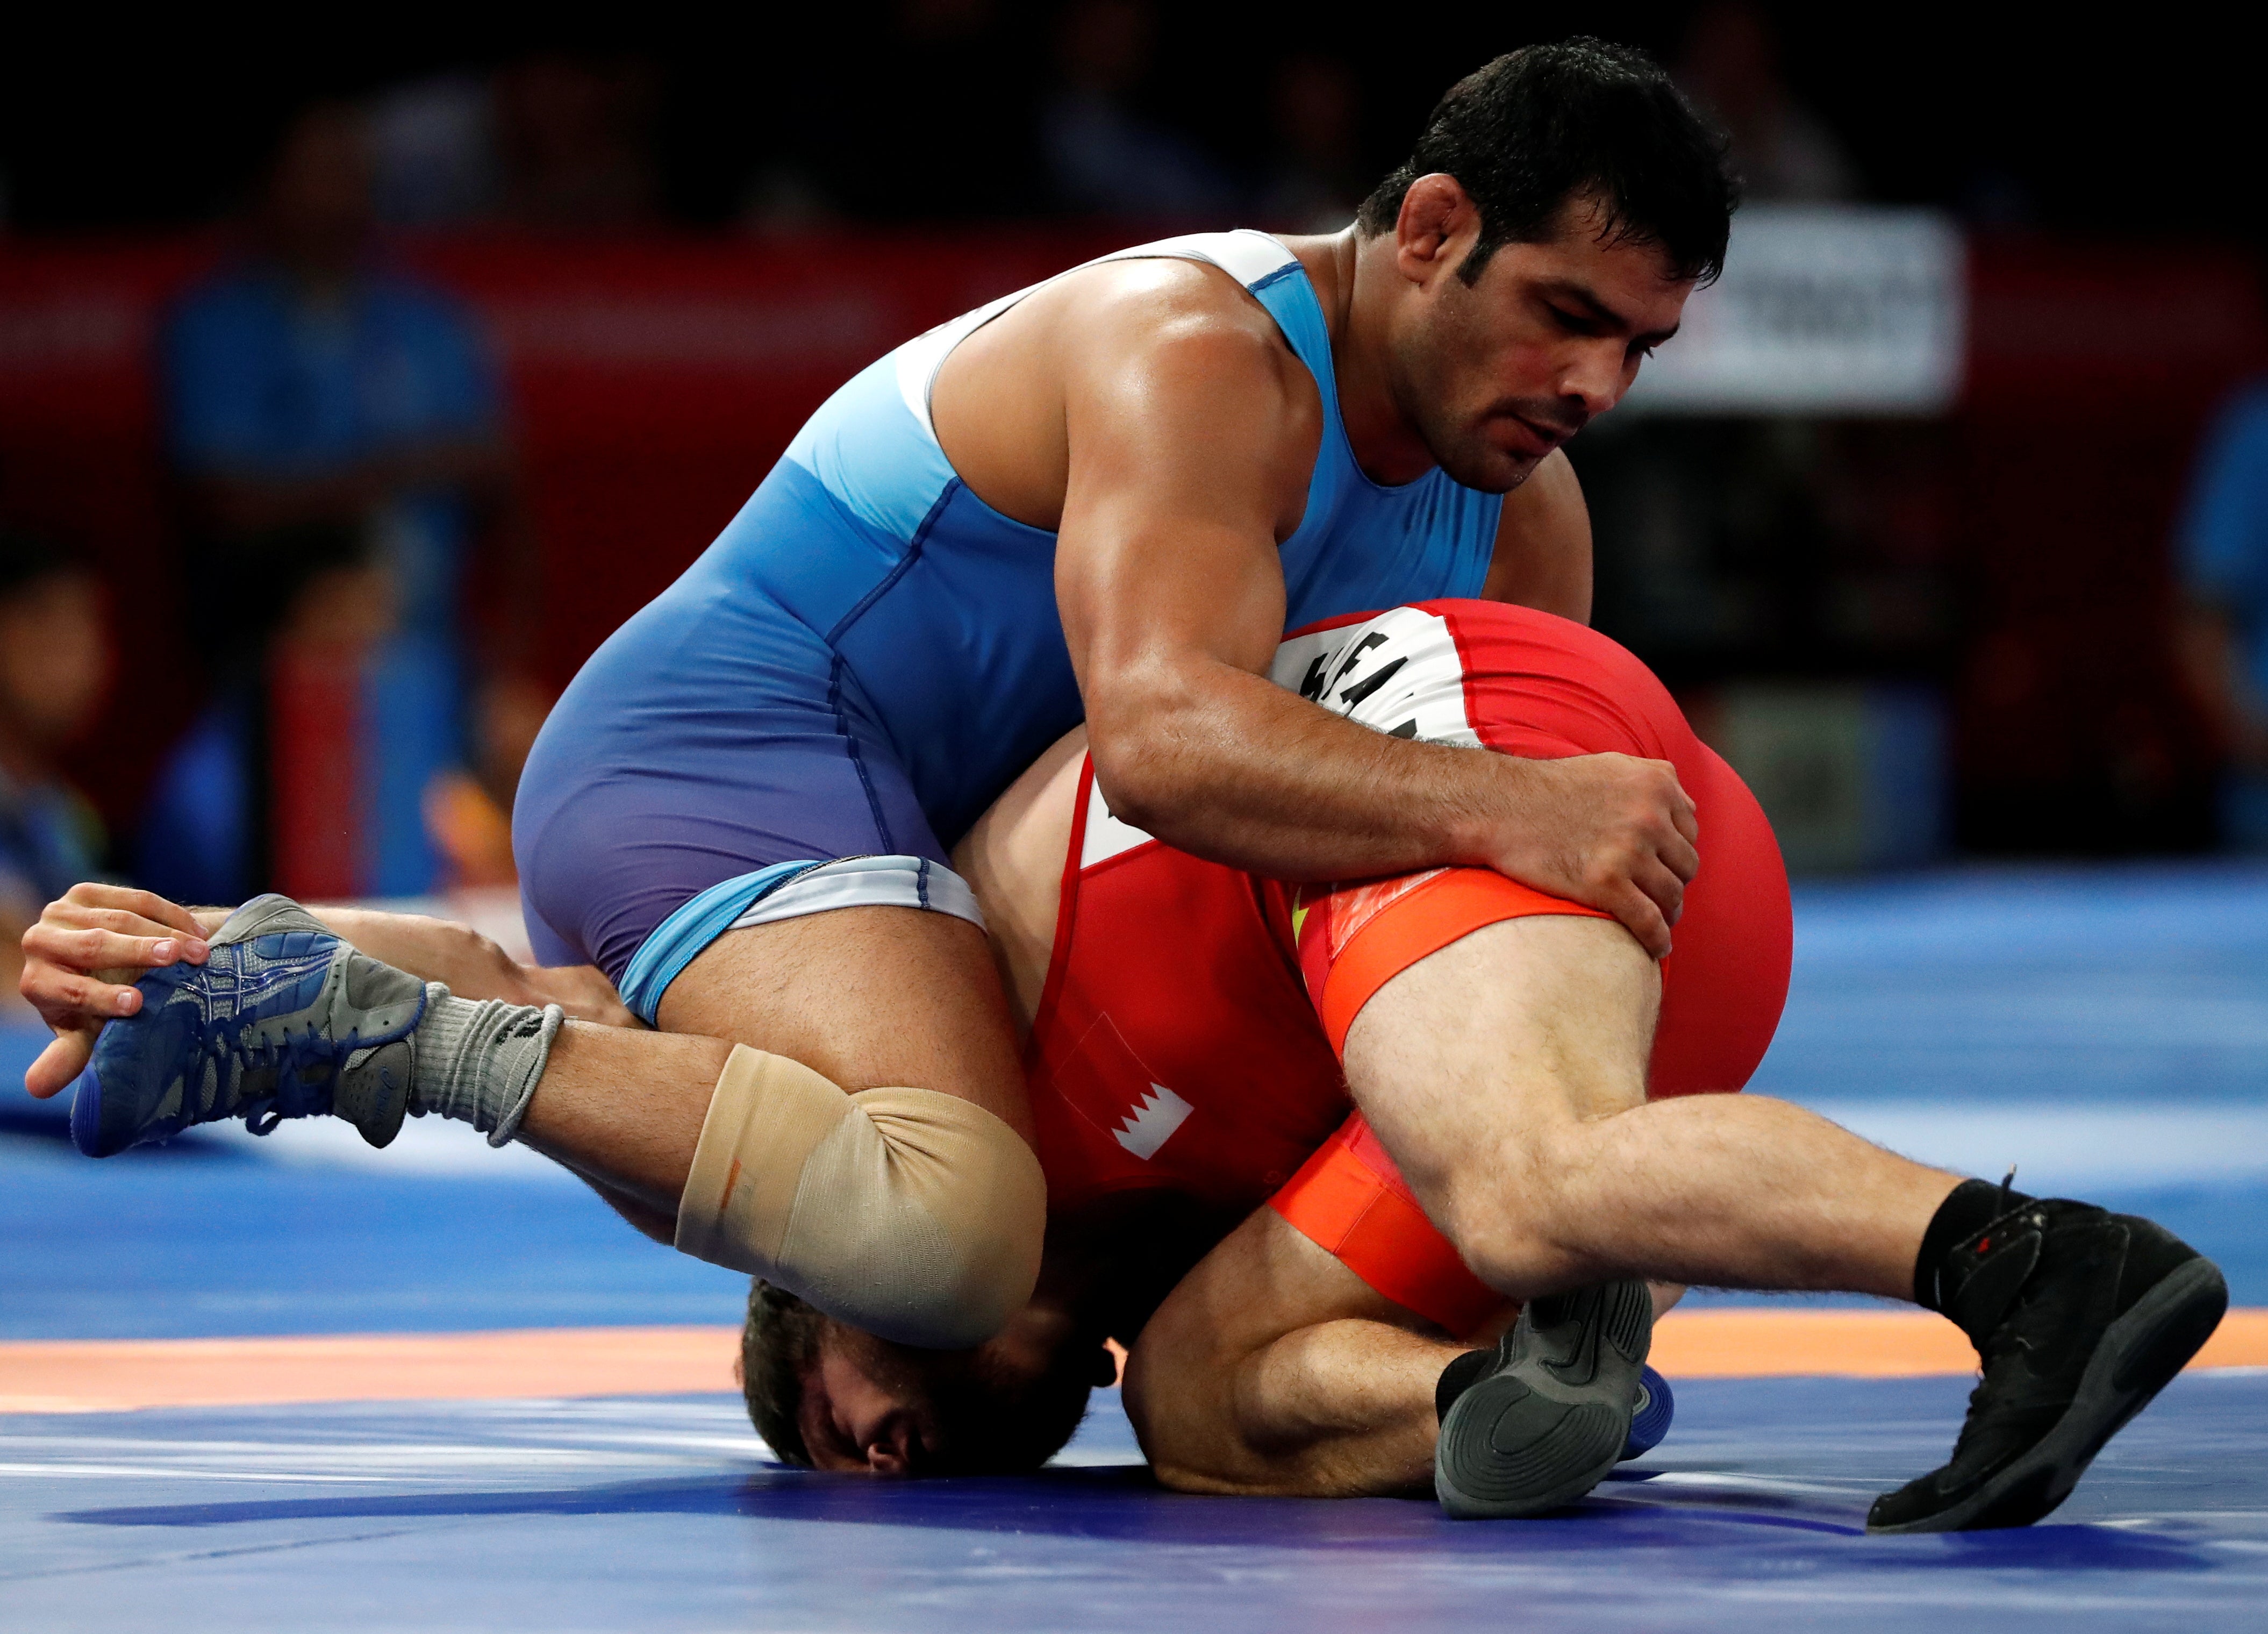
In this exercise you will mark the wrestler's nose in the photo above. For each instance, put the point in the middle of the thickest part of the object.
(1593, 382)
(893, 1445)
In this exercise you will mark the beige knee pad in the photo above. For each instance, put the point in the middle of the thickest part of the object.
(909, 1213)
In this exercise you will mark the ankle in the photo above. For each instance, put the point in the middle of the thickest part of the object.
(478, 1062)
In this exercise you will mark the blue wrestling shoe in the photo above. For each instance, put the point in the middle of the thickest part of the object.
(284, 1020)
(1650, 1419)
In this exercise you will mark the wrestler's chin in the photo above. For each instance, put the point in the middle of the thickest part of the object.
(1483, 466)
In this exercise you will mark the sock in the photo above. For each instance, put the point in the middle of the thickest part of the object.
(479, 1061)
(1973, 1205)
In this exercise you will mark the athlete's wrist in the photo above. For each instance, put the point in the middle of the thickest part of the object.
(1496, 827)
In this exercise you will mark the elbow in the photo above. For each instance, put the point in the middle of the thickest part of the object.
(1133, 790)
(1134, 744)
(947, 1247)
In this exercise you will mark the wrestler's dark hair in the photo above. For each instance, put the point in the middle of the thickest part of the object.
(779, 1342)
(1540, 127)
(992, 1423)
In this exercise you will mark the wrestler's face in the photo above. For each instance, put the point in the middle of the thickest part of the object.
(884, 1409)
(1497, 373)
(863, 1409)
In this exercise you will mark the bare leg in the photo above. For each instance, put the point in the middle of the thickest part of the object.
(1521, 1122)
(869, 997)
(1272, 1368)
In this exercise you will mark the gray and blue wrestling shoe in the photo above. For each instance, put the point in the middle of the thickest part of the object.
(1539, 1421)
(1650, 1417)
(284, 1020)
(1651, 1414)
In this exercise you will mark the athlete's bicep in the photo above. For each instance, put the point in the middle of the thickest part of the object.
(1190, 447)
(1542, 556)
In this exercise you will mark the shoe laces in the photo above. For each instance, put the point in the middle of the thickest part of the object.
(236, 1054)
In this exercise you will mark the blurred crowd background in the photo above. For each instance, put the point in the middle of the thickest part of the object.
(353, 388)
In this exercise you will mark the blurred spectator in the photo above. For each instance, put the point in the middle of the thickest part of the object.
(56, 662)
(2224, 635)
(1105, 156)
(1780, 150)
(557, 142)
(271, 787)
(314, 396)
(433, 152)
(576, 137)
(1319, 178)
(468, 813)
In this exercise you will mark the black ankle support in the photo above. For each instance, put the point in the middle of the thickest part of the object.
(1970, 1207)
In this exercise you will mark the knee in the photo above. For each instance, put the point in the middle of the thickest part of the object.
(1508, 1212)
(923, 1226)
(913, 1215)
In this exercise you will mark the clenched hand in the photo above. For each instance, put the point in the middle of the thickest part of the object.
(1610, 831)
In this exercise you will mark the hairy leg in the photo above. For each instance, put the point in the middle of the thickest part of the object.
(1273, 1369)
(1521, 1123)
(868, 997)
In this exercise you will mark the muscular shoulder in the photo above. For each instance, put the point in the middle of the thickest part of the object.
(1165, 318)
(1144, 366)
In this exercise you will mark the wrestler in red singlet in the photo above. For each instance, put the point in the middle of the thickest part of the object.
(1187, 1037)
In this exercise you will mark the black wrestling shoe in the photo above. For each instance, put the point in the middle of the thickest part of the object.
(1538, 1421)
(2081, 1316)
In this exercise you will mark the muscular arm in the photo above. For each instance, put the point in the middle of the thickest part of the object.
(1272, 1368)
(1191, 433)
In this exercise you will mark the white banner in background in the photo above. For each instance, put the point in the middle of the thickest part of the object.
(1822, 309)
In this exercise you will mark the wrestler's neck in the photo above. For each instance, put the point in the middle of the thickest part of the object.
(1354, 277)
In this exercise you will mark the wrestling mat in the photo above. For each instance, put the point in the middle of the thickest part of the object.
(298, 1384)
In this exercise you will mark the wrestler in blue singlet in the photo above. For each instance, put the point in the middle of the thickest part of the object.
(869, 654)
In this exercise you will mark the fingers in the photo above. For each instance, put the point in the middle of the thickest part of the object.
(1678, 846)
(1685, 814)
(65, 997)
(1679, 856)
(1660, 887)
(123, 899)
(119, 942)
(1642, 918)
(64, 1059)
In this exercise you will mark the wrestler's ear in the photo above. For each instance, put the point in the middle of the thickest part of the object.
(1435, 211)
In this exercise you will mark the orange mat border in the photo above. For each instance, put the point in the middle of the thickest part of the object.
(76, 1376)
(1749, 1344)
(65, 1376)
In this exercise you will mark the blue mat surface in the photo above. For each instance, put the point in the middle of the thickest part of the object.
(2106, 1030)
(661, 1515)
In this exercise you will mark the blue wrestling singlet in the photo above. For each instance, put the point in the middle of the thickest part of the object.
(869, 654)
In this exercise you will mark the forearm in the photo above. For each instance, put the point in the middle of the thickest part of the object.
(467, 963)
(1338, 1409)
(1230, 767)
(471, 965)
